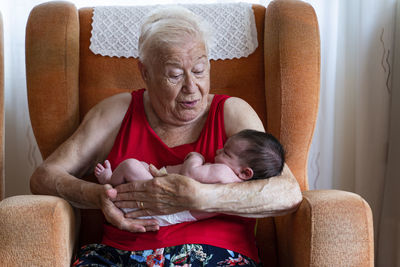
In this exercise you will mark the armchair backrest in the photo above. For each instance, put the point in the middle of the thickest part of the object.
(280, 79)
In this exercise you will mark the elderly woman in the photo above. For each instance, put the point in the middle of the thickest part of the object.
(174, 115)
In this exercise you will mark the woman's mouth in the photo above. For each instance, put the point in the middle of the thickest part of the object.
(189, 104)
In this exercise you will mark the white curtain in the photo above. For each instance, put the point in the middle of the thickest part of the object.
(351, 144)
(388, 240)
(356, 146)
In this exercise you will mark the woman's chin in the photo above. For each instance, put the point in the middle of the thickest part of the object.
(187, 119)
(189, 115)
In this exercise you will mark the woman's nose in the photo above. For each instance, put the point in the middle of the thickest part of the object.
(189, 83)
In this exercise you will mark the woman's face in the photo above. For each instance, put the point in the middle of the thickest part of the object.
(178, 82)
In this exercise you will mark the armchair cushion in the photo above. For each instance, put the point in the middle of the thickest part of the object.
(36, 231)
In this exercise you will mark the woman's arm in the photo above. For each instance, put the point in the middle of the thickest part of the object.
(92, 141)
(173, 193)
(257, 198)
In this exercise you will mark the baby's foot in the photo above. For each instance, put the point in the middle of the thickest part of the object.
(103, 173)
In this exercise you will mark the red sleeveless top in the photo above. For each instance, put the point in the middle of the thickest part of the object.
(136, 139)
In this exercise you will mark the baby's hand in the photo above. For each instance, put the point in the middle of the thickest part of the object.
(157, 172)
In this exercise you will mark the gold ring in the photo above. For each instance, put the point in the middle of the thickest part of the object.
(141, 205)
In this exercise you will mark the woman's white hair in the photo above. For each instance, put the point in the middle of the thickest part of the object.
(169, 26)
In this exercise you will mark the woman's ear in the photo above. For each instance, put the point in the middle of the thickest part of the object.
(246, 173)
(143, 71)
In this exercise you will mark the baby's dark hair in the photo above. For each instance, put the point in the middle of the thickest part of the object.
(264, 154)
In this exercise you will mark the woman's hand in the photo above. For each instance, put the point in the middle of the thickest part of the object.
(117, 218)
(161, 195)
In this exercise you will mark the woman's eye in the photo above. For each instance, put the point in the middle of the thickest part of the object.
(175, 75)
(198, 69)
(198, 72)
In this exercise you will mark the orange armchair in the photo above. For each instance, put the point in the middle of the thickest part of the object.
(280, 80)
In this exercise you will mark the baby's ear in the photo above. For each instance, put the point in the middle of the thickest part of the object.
(246, 173)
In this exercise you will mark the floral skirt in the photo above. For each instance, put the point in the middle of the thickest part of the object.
(182, 255)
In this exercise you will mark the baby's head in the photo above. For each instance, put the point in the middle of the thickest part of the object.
(263, 154)
(253, 155)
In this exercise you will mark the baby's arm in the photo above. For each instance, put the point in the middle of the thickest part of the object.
(206, 173)
(194, 167)
(192, 160)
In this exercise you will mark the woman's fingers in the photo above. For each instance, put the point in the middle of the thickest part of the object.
(137, 225)
(111, 193)
(148, 208)
(152, 228)
(128, 196)
(117, 218)
(136, 186)
(133, 225)
(147, 211)
(162, 195)
(141, 190)
(138, 213)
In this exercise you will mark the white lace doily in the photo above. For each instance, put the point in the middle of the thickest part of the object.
(116, 29)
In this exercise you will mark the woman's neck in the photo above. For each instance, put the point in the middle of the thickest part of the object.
(172, 134)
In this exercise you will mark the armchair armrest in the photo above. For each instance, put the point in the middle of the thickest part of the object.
(36, 231)
(330, 228)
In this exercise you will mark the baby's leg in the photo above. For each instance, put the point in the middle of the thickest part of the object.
(103, 173)
(130, 170)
